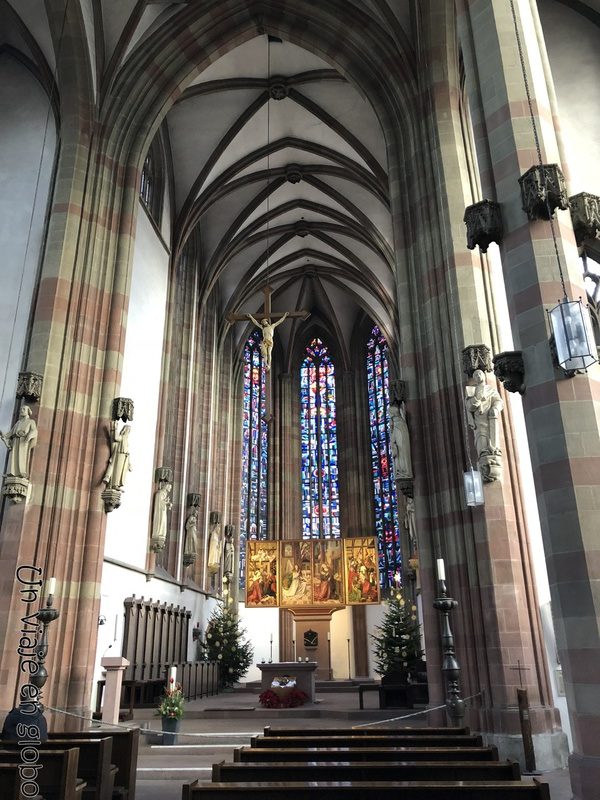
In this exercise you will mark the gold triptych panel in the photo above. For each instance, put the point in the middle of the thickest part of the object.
(312, 572)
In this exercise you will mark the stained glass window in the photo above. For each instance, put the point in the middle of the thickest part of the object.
(320, 492)
(386, 508)
(253, 514)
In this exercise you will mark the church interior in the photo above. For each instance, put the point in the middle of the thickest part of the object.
(300, 315)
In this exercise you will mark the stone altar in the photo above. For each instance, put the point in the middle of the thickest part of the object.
(302, 671)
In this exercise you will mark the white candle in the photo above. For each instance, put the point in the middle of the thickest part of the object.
(51, 585)
(271, 639)
(328, 636)
(172, 674)
(441, 570)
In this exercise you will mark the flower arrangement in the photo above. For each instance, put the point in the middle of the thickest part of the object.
(172, 700)
(269, 699)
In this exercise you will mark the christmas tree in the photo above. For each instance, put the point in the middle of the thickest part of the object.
(397, 643)
(224, 644)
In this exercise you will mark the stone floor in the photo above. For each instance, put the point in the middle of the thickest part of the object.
(213, 727)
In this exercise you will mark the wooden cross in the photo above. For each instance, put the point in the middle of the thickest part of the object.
(520, 669)
(268, 317)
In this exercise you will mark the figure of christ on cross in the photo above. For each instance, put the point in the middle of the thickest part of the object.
(267, 325)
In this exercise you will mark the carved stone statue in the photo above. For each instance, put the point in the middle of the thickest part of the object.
(119, 463)
(483, 405)
(409, 524)
(20, 441)
(266, 343)
(400, 441)
(162, 503)
(228, 552)
(190, 544)
(214, 545)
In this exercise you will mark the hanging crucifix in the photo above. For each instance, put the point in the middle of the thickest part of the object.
(267, 322)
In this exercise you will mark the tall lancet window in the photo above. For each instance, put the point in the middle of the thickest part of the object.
(386, 508)
(320, 492)
(253, 514)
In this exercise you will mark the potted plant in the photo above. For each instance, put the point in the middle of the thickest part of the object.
(170, 709)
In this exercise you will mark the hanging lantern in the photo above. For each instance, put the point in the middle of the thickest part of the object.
(473, 488)
(573, 335)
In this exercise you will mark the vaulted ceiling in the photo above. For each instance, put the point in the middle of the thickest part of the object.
(279, 163)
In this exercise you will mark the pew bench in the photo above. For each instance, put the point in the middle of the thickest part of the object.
(228, 772)
(125, 747)
(57, 780)
(299, 754)
(372, 731)
(94, 764)
(366, 790)
(323, 740)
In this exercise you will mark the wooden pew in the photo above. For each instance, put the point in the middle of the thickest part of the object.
(10, 782)
(125, 746)
(227, 772)
(380, 740)
(366, 790)
(372, 731)
(57, 779)
(299, 754)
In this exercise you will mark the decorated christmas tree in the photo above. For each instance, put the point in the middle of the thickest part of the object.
(397, 643)
(224, 644)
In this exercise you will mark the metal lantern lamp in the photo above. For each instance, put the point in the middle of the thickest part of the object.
(473, 487)
(573, 335)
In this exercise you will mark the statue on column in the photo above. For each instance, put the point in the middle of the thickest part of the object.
(228, 552)
(190, 543)
(162, 504)
(400, 441)
(119, 463)
(483, 406)
(214, 543)
(20, 441)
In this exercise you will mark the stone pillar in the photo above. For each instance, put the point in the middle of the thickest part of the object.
(561, 415)
(115, 667)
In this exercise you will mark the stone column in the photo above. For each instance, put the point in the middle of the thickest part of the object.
(561, 415)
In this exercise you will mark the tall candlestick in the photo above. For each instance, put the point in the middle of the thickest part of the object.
(441, 570)
(172, 674)
(51, 586)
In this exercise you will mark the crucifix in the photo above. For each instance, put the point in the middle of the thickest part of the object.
(267, 322)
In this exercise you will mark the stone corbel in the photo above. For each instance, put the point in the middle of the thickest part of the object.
(29, 386)
(122, 409)
(484, 224)
(543, 190)
(163, 475)
(585, 216)
(111, 499)
(15, 488)
(397, 391)
(406, 486)
(510, 370)
(476, 356)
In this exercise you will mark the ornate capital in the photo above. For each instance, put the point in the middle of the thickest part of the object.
(585, 216)
(476, 356)
(484, 224)
(122, 408)
(543, 190)
(406, 486)
(194, 500)
(163, 475)
(397, 392)
(15, 488)
(188, 559)
(111, 499)
(510, 370)
(29, 386)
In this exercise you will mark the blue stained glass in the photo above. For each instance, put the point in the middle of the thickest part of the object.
(386, 507)
(320, 495)
(253, 512)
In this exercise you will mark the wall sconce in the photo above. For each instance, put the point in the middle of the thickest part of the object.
(573, 335)
(473, 487)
